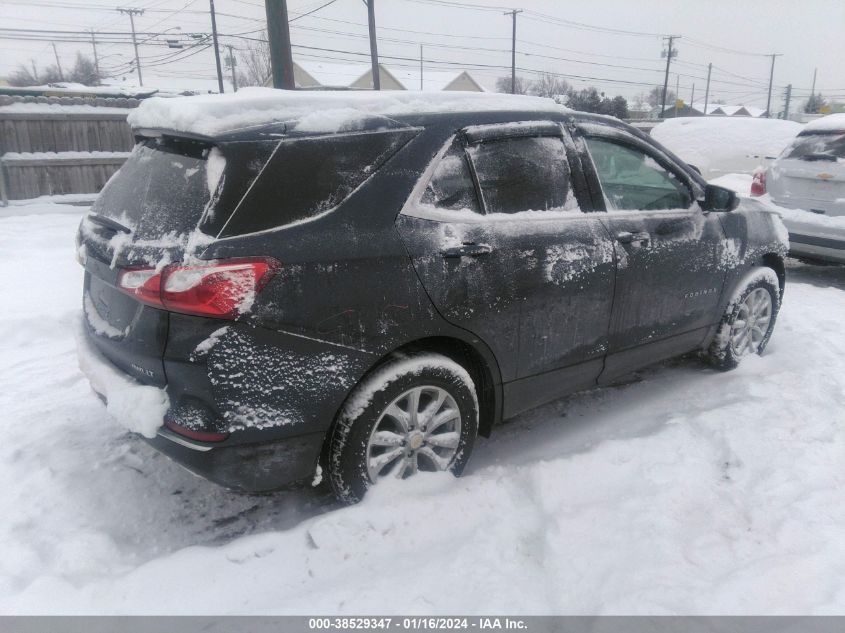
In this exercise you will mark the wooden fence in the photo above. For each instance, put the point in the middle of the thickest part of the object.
(61, 145)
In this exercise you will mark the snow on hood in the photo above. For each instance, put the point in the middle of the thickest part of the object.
(829, 123)
(722, 145)
(320, 111)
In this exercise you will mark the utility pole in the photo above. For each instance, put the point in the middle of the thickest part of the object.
(216, 47)
(771, 78)
(813, 89)
(421, 66)
(132, 13)
(58, 63)
(669, 55)
(787, 98)
(513, 13)
(278, 32)
(232, 64)
(692, 98)
(96, 59)
(677, 92)
(371, 23)
(707, 90)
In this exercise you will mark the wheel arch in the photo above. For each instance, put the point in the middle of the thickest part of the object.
(472, 355)
(776, 263)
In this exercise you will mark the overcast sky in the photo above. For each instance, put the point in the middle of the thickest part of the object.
(620, 56)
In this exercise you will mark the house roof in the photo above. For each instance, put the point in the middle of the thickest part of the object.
(339, 74)
(432, 79)
(333, 73)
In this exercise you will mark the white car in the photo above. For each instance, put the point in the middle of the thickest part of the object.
(810, 175)
(720, 145)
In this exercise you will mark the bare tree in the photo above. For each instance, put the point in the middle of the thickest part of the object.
(640, 100)
(23, 76)
(85, 71)
(655, 97)
(549, 85)
(521, 85)
(255, 63)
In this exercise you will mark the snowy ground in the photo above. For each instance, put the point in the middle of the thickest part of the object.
(683, 491)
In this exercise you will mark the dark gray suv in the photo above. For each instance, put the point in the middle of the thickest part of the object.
(365, 301)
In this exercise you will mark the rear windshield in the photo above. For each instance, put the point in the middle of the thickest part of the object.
(829, 146)
(161, 190)
(306, 177)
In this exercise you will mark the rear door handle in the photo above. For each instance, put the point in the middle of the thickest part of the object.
(626, 237)
(467, 250)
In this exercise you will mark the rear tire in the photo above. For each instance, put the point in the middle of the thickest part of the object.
(413, 413)
(748, 321)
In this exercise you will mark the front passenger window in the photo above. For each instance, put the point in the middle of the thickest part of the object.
(632, 180)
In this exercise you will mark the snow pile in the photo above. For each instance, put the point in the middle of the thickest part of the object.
(723, 145)
(829, 123)
(11, 157)
(684, 491)
(319, 111)
(55, 108)
(741, 183)
(140, 408)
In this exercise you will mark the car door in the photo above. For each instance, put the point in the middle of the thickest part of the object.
(670, 271)
(499, 239)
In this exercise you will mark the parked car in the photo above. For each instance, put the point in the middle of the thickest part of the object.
(810, 175)
(721, 145)
(365, 301)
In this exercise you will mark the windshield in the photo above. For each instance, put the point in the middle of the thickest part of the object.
(817, 147)
(162, 189)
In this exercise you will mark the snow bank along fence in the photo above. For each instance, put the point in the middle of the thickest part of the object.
(61, 145)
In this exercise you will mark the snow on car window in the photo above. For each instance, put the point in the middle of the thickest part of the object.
(523, 174)
(160, 190)
(827, 147)
(451, 186)
(307, 177)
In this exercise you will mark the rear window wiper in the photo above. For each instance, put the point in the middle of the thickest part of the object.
(108, 223)
(819, 156)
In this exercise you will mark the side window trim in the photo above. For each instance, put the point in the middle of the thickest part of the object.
(607, 133)
(413, 206)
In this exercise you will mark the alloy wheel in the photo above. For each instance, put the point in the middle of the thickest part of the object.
(752, 322)
(419, 430)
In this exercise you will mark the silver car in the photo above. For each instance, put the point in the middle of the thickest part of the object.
(810, 175)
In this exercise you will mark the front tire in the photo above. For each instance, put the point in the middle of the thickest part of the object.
(748, 321)
(413, 413)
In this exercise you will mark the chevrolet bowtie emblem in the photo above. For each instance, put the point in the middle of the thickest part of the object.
(825, 176)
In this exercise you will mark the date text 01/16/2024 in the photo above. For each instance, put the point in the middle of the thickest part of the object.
(416, 623)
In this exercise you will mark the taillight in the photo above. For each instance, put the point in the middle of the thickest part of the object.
(202, 436)
(758, 183)
(223, 289)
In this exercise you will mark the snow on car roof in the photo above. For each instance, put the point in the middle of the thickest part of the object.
(315, 111)
(829, 123)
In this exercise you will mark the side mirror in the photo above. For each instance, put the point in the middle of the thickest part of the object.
(719, 199)
(694, 168)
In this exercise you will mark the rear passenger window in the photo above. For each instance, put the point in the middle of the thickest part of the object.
(451, 186)
(523, 174)
(308, 176)
(632, 180)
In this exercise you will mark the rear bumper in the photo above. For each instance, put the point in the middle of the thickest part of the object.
(258, 467)
(254, 460)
